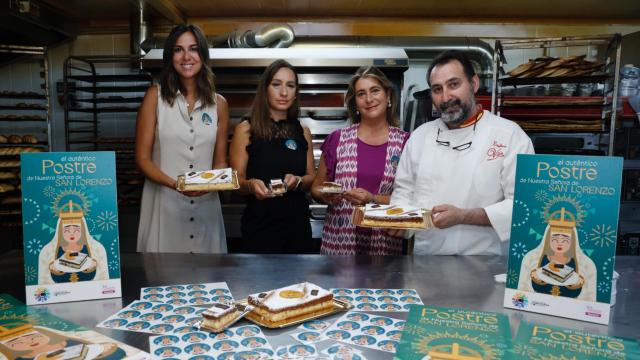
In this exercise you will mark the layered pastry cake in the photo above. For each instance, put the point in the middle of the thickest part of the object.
(558, 272)
(331, 187)
(73, 259)
(377, 215)
(277, 186)
(291, 302)
(210, 180)
(219, 316)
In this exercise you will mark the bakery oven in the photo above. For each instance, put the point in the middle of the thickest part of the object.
(323, 74)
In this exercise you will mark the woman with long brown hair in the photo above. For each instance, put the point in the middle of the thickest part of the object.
(182, 126)
(273, 145)
(363, 159)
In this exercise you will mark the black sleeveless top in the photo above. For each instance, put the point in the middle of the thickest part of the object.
(279, 224)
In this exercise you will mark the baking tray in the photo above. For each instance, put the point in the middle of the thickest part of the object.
(234, 185)
(357, 218)
(338, 306)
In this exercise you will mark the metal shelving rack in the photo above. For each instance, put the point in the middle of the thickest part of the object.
(604, 137)
(26, 127)
(92, 100)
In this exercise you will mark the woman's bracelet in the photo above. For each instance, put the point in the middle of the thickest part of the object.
(298, 183)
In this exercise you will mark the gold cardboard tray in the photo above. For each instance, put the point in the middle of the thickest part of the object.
(357, 218)
(338, 306)
(233, 185)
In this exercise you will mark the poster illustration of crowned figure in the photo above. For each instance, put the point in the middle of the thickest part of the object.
(563, 235)
(70, 226)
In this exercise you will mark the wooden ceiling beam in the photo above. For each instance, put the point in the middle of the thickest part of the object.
(169, 10)
(485, 28)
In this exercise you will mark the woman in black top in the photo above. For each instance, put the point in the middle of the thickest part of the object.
(274, 145)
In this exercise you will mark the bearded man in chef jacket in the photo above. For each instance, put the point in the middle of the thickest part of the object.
(461, 166)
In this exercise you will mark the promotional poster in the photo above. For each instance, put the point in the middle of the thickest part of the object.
(563, 235)
(442, 333)
(33, 333)
(70, 226)
(547, 342)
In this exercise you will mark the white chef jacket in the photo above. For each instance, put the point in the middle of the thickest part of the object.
(481, 176)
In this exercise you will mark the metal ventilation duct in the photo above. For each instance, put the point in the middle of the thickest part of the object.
(274, 36)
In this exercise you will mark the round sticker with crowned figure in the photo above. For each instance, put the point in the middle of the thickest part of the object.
(399, 325)
(161, 328)
(381, 321)
(167, 352)
(177, 302)
(253, 342)
(406, 292)
(153, 290)
(194, 337)
(300, 350)
(367, 307)
(249, 330)
(394, 334)
(162, 308)
(115, 323)
(151, 316)
(202, 357)
(390, 307)
(195, 287)
(247, 355)
(315, 325)
(226, 345)
(142, 305)
(129, 314)
(342, 291)
(166, 340)
(138, 325)
(388, 345)
(356, 316)
(373, 330)
(197, 348)
(363, 340)
(348, 325)
(173, 319)
(226, 356)
(184, 310)
(226, 334)
(308, 336)
(184, 330)
(338, 334)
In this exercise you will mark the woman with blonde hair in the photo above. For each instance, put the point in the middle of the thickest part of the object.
(363, 159)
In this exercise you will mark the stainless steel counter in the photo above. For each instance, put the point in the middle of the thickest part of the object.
(450, 281)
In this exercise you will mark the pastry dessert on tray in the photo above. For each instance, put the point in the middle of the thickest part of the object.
(391, 216)
(222, 315)
(331, 187)
(291, 302)
(210, 180)
(277, 187)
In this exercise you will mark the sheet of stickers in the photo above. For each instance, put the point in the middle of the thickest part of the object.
(191, 294)
(370, 331)
(177, 316)
(241, 342)
(387, 300)
(310, 333)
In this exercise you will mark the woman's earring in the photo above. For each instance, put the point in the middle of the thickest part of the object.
(388, 103)
(358, 112)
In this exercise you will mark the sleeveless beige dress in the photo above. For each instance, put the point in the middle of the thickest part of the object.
(170, 221)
